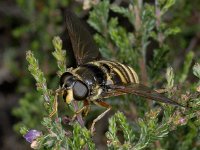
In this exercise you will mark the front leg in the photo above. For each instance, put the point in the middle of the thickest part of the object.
(55, 102)
(55, 107)
(87, 108)
(102, 104)
(84, 110)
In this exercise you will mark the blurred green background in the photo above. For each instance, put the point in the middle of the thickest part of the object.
(32, 24)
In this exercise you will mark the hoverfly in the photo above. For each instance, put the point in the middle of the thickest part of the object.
(95, 78)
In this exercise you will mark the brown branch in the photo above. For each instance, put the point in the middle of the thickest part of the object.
(161, 36)
(11, 10)
(192, 44)
(79, 116)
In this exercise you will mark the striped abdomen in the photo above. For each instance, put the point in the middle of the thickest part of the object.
(105, 72)
(117, 72)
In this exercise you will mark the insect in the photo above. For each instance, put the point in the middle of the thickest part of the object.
(94, 78)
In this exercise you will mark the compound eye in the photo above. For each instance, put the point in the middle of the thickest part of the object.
(67, 80)
(80, 90)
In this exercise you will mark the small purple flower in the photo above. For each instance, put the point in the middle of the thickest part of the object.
(182, 120)
(31, 135)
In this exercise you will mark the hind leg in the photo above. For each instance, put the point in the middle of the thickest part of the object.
(102, 104)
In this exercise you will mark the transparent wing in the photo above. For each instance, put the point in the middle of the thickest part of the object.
(83, 45)
(139, 90)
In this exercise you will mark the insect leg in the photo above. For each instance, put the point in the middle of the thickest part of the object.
(102, 104)
(84, 109)
(87, 108)
(55, 105)
(55, 102)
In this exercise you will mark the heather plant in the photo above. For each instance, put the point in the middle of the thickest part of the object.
(155, 126)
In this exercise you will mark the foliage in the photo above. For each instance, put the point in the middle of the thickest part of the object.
(155, 126)
(41, 21)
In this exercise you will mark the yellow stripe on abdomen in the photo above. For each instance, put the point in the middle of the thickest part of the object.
(126, 73)
(134, 75)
